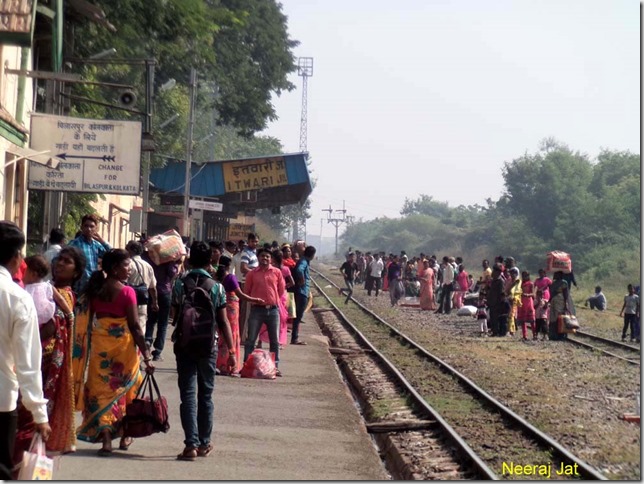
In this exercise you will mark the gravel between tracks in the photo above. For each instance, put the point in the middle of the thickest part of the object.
(570, 393)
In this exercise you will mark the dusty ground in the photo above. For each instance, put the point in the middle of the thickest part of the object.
(572, 394)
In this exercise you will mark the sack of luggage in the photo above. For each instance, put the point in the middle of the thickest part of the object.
(166, 247)
(559, 261)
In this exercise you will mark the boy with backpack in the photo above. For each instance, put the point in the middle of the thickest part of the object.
(199, 305)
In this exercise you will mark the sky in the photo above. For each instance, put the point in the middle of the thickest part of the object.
(433, 96)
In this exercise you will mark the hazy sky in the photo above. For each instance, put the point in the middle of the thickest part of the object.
(432, 97)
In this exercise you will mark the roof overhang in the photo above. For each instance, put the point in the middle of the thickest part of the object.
(242, 184)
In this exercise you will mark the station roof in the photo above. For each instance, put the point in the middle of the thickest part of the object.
(242, 184)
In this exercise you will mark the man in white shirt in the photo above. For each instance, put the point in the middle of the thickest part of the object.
(141, 272)
(236, 262)
(248, 262)
(447, 284)
(20, 349)
(56, 241)
(375, 275)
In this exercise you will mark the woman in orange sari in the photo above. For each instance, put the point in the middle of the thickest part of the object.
(426, 278)
(56, 340)
(113, 373)
(233, 295)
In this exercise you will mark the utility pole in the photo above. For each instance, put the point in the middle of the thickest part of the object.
(147, 130)
(191, 122)
(336, 221)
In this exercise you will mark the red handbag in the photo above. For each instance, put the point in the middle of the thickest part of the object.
(146, 415)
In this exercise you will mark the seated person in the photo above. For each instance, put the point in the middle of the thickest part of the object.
(597, 300)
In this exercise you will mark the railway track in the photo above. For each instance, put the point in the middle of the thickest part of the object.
(616, 349)
(499, 437)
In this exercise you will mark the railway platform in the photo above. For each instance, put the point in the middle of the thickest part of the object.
(303, 426)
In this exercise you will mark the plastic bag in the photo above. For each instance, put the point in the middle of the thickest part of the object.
(260, 364)
(36, 466)
(467, 311)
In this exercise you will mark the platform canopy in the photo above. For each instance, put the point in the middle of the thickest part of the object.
(244, 184)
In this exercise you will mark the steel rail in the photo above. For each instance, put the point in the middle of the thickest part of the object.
(591, 347)
(586, 470)
(463, 449)
(616, 344)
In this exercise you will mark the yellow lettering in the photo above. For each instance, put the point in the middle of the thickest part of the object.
(507, 469)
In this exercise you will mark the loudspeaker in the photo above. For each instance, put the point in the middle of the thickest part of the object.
(127, 98)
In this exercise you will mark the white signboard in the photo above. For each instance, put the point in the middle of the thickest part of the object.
(97, 156)
(203, 205)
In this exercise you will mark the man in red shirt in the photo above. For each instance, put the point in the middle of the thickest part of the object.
(267, 283)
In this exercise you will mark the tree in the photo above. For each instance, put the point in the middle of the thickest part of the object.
(242, 45)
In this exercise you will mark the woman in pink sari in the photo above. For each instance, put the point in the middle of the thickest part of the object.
(426, 278)
(233, 295)
(276, 256)
(463, 285)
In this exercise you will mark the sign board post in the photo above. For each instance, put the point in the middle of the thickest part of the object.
(98, 156)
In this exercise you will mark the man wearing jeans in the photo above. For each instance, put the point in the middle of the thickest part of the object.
(196, 374)
(302, 282)
(267, 284)
(164, 274)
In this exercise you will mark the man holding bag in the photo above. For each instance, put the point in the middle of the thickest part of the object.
(20, 349)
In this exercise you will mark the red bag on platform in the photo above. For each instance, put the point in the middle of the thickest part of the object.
(559, 261)
(260, 364)
(146, 415)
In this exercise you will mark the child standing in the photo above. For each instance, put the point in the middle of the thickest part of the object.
(41, 292)
(525, 312)
(481, 315)
(542, 311)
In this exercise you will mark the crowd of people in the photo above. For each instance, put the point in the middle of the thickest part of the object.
(83, 322)
(503, 298)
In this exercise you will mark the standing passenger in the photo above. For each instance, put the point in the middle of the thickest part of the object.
(20, 349)
(302, 291)
(631, 312)
(265, 283)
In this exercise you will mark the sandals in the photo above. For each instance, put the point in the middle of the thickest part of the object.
(298, 342)
(189, 453)
(125, 443)
(205, 450)
(104, 452)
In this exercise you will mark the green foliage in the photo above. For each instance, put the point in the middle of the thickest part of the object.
(554, 199)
